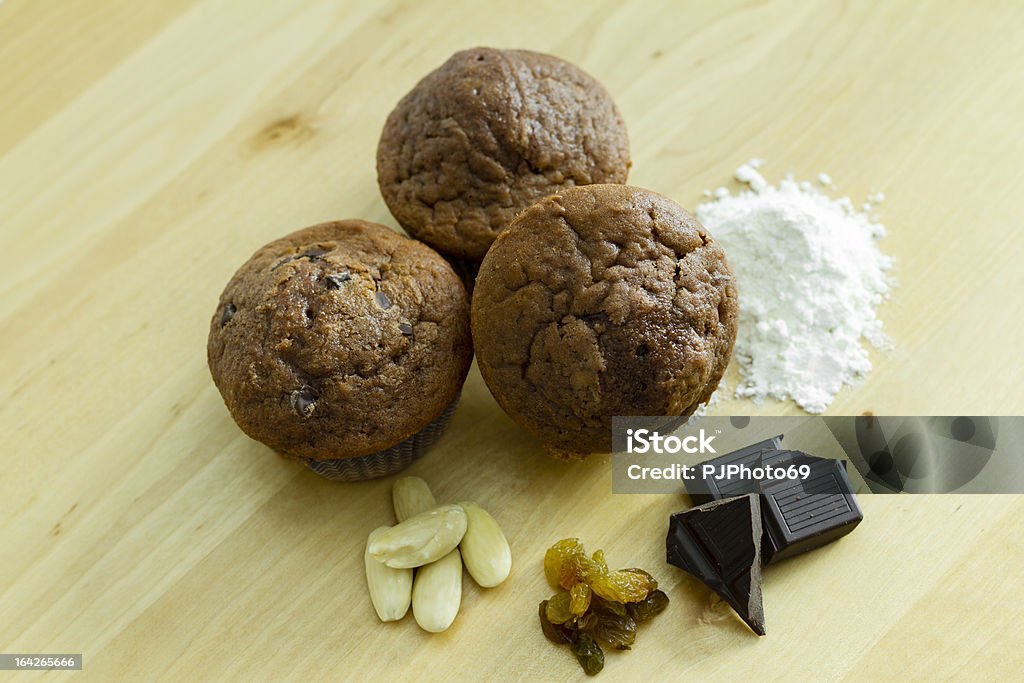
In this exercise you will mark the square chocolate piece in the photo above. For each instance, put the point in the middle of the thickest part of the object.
(805, 514)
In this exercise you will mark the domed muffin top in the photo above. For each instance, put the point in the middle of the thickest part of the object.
(488, 133)
(340, 340)
(602, 301)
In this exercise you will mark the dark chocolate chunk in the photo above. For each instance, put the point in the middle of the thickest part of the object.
(382, 299)
(797, 514)
(304, 400)
(720, 543)
(227, 314)
(405, 328)
(804, 514)
(704, 490)
(336, 280)
(313, 254)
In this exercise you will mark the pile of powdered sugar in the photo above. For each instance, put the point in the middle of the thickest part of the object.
(810, 277)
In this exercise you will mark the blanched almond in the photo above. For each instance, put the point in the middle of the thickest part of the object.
(485, 550)
(411, 496)
(422, 539)
(437, 593)
(390, 589)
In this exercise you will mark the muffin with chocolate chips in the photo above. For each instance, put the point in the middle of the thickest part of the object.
(600, 301)
(344, 346)
(484, 136)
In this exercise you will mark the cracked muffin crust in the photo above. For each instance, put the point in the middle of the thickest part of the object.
(599, 301)
(486, 135)
(340, 340)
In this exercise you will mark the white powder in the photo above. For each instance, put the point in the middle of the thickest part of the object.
(810, 278)
(747, 173)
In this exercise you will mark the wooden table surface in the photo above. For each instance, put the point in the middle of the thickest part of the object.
(147, 148)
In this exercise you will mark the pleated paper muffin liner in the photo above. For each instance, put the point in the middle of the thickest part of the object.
(388, 461)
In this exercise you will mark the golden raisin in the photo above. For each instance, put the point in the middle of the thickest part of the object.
(556, 634)
(622, 586)
(650, 579)
(579, 599)
(589, 569)
(561, 563)
(588, 653)
(617, 632)
(650, 606)
(557, 609)
(600, 606)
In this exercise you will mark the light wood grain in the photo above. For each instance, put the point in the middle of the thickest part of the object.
(147, 148)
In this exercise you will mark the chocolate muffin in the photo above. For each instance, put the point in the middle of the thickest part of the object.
(487, 134)
(343, 345)
(600, 301)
